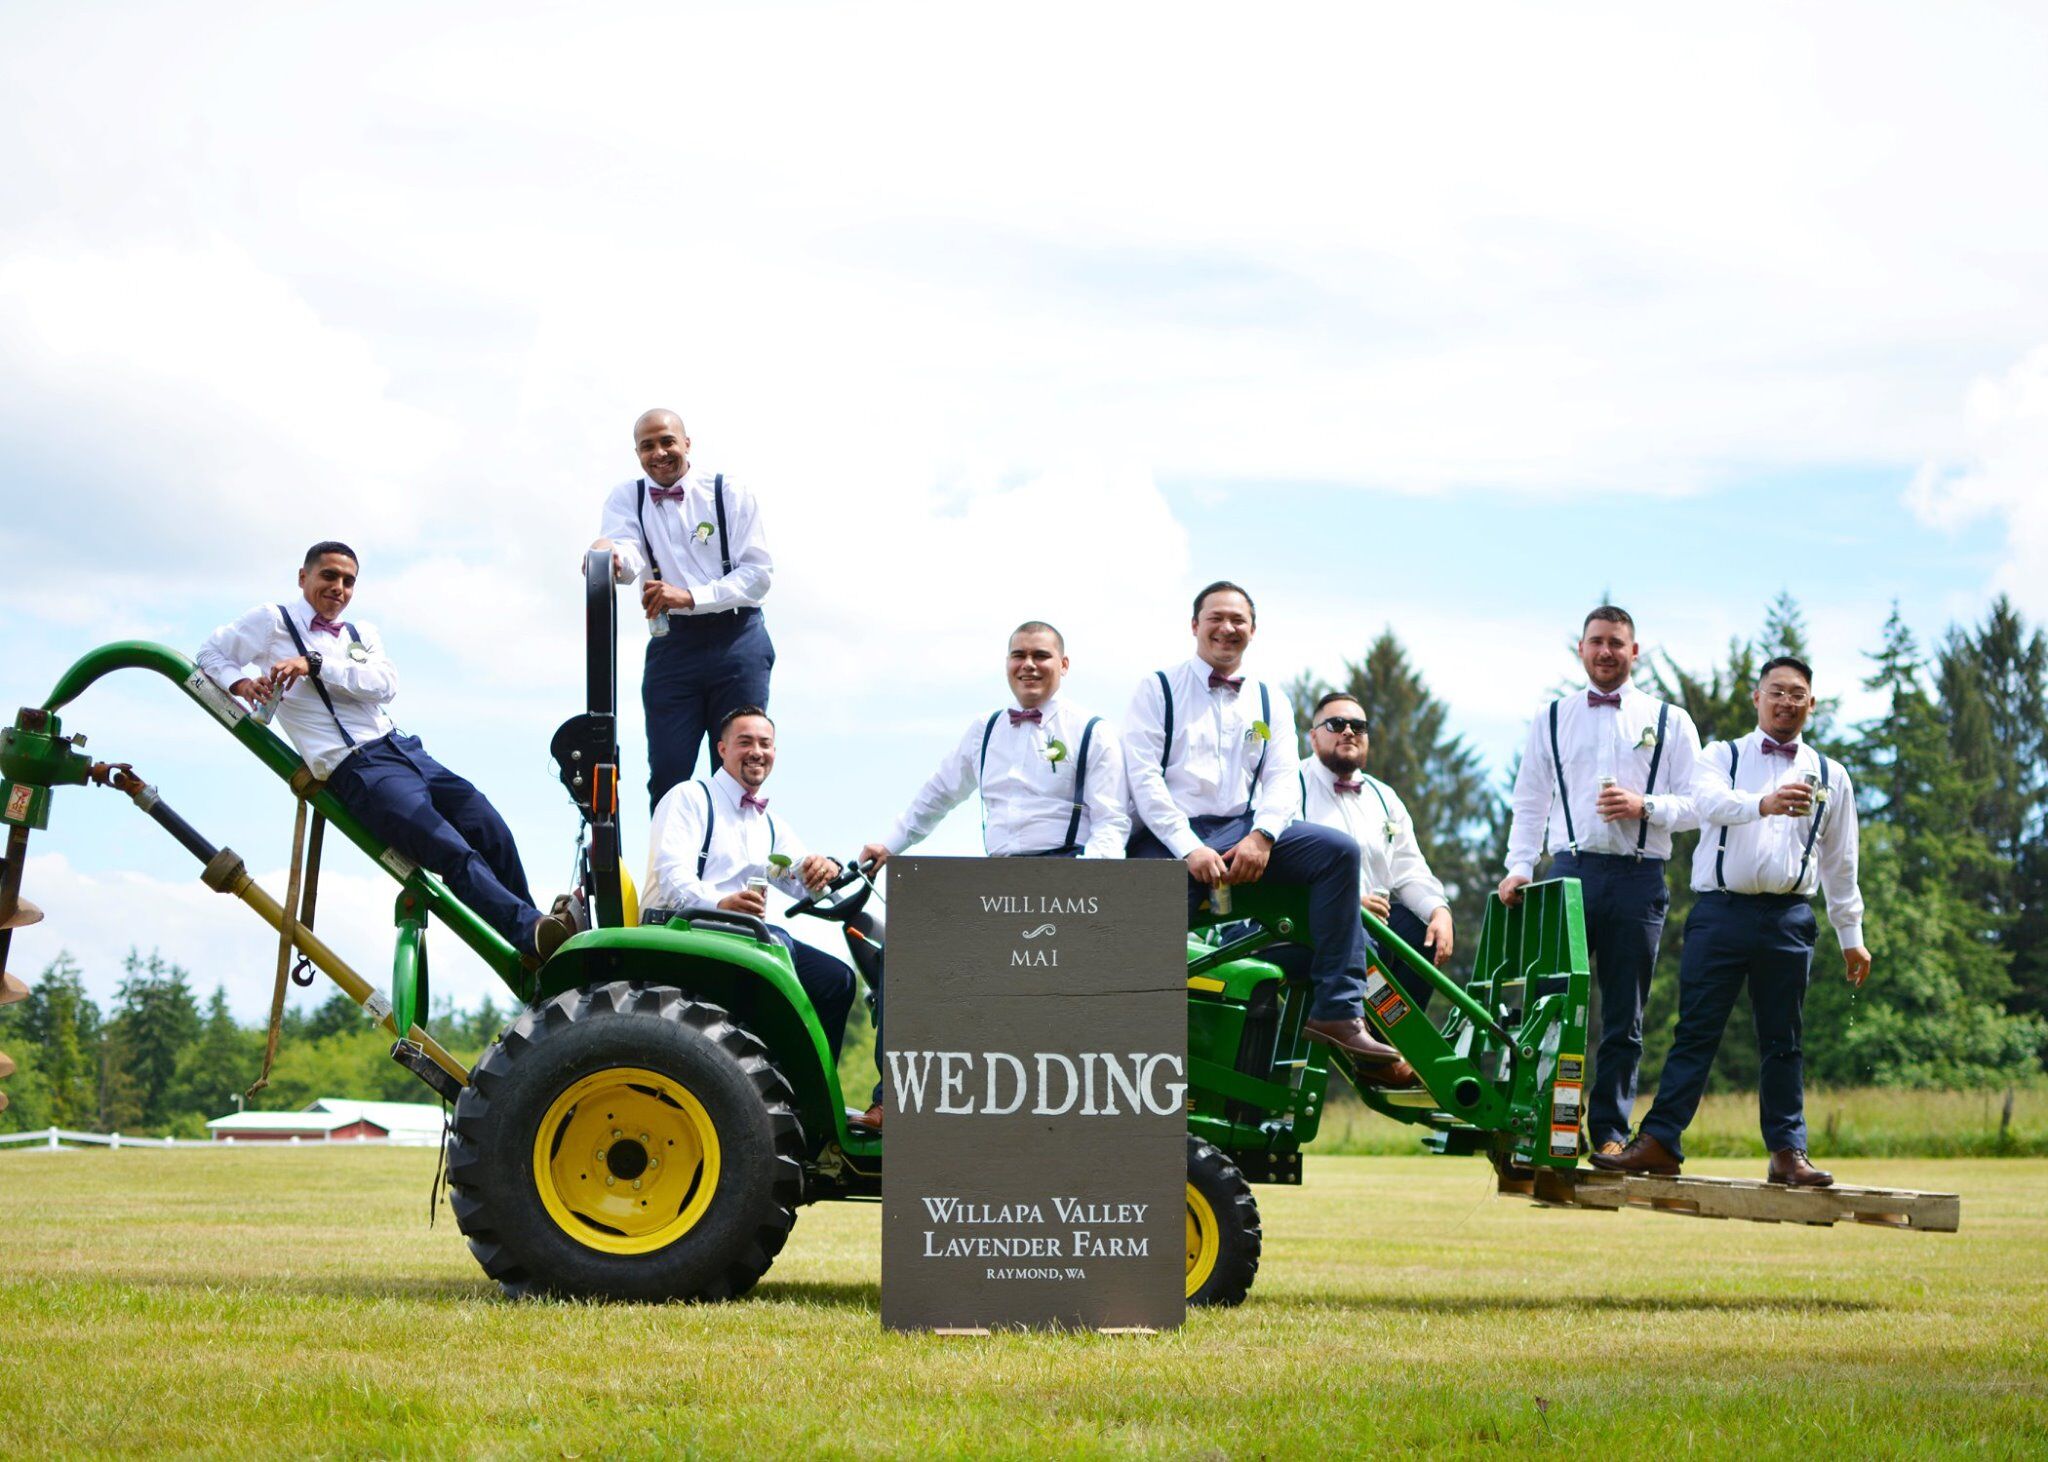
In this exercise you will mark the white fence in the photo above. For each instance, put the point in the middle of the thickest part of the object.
(52, 1139)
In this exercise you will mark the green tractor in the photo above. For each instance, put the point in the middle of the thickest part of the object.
(665, 1101)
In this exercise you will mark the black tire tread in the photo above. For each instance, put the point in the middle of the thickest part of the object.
(1217, 1178)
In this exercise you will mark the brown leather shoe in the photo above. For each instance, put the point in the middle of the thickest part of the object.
(551, 933)
(1790, 1167)
(1645, 1155)
(868, 1121)
(1383, 1064)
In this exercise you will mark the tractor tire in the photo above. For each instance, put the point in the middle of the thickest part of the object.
(1223, 1228)
(626, 1142)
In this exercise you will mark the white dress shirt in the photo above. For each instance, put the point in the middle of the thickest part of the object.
(359, 688)
(684, 537)
(1027, 799)
(1617, 741)
(1764, 854)
(742, 840)
(1377, 818)
(1208, 769)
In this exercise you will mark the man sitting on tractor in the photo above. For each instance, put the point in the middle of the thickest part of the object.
(328, 681)
(1211, 762)
(1051, 778)
(715, 845)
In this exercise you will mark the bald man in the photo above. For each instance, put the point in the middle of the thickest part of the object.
(694, 542)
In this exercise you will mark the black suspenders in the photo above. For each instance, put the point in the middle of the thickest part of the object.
(1166, 732)
(1721, 852)
(1564, 796)
(1813, 832)
(299, 641)
(1650, 786)
(1080, 772)
(718, 508)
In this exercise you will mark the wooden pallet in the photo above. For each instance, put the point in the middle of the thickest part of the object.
(1745, 1198)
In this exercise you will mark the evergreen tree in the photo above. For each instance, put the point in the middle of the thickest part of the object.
(156, 1020)
(216, 1067)
(61, 1025)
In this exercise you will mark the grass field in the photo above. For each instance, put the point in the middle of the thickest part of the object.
(295, 1303)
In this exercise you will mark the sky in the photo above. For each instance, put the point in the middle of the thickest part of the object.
(1442, 319)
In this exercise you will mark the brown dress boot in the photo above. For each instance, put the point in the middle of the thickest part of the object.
(868, 1121)
(1644, 1155)
(1382, 1064)
(1790, 1167)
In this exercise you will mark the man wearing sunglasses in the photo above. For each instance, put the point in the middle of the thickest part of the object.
(1394, 881)
(1602, 787)
(1778, 824)
(1209, 751)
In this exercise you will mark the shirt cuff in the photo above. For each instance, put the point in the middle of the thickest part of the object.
(1851, 937)
(1265, 825)
(1182, 842)
(1522, 870)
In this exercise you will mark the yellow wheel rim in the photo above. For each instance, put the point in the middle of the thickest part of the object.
(1204, 1241)
(626, 1160)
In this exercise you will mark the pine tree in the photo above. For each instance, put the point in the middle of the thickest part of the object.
(60, 1023)
(156, 1020)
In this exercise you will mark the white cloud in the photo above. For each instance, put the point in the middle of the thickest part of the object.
(2002, 475)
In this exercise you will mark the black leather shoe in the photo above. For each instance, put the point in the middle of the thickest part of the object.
(1790, 1167)
(1645, 1155)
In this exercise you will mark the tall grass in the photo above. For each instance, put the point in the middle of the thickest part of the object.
(1842, 1122)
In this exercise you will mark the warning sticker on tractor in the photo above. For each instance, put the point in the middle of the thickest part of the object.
(1564, 1104)
(1564, 1141)
(1386, 1000)
(1571, 1068)
(18, 799)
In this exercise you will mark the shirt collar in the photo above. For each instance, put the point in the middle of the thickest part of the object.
(730, 786)
(1046, 708)
(1314, 763)
(1201, 669)
(1758, 735)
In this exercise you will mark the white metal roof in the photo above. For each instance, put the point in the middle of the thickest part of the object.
(330, 1114)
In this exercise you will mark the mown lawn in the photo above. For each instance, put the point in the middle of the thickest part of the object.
(296, 1304)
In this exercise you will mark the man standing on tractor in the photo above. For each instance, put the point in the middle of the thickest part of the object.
(1336, 792)
(1051, 779)
(1778, 823)
(715, 845)
(1210, 757)
(328, 682)
(695, 542)
(1588, 794)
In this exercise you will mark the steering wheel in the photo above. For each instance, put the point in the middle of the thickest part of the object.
(840, 899)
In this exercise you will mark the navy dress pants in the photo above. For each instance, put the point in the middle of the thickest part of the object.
(407, 799)
(1625, 902)
(827, 981)
(1311, 856)
(1764, 941)
(706, 665)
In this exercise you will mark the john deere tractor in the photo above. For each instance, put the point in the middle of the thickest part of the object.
(665, 1101)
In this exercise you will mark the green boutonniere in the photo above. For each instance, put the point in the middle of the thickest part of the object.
(1259, 731)
(779, 862)
(704, 532)
(1648, 739)
(1055, 751)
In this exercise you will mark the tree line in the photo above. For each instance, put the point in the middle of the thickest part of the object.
(1951, 792)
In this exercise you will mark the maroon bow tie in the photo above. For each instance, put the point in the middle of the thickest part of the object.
(1603, 698)
(327, 626)
(667, 494)
(1018, 718)
(1219, 681)
(1774, 748)
(1354, 788)
(748, 799)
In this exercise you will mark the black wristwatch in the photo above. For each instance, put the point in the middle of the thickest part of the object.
(1270, 839)
(313, 663)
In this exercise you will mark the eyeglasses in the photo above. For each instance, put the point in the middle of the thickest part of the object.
(1338, 725)
(1779, 696)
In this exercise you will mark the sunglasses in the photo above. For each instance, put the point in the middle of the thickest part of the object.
(1338, 725)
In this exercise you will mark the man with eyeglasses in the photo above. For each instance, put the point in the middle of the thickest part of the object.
(1602, 787)
(1336, 792)
(1778, 823)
